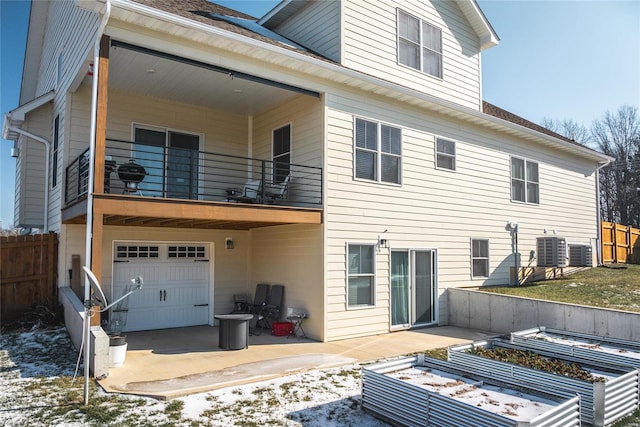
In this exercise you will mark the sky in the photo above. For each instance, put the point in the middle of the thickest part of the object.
(556, 59)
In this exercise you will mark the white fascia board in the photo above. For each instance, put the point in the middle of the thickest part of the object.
(17, 115)
(273, 12)
(340, 74)
(480, 23)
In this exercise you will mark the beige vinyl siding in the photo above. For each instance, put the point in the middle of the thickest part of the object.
(442, 209)
(30, 170)
(291, 255)
(70, 32)
(370, 46)
(304, 113)
(316, 27)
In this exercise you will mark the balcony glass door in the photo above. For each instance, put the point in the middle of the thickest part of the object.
(171, 160)
(413, 288)
(149, 152)
(182, 166)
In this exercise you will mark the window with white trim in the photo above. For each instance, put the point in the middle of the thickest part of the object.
(479, 258)
(525, 185)
(419, 44)
(445, 154)
(360, 275)
(377, 151)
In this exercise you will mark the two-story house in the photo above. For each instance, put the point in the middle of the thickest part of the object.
(339, 148)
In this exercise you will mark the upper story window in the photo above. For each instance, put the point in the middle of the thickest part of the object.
(525, 185)
(445, 154)
(360, 275)
(419, 44)
(377, 152)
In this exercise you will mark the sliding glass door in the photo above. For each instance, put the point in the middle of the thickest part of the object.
(413, 288)
(171, 160)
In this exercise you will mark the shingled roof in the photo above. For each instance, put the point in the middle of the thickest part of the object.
(500, 113)
(202, 11)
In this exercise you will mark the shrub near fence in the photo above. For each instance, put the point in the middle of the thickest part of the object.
(620, 243)
(28, 273)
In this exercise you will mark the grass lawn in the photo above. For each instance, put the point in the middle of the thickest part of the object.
(617, 288)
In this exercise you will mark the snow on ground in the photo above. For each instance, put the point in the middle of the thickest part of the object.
(37, 389)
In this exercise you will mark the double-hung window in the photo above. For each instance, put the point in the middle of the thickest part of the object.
(525, 185)
(377, 152)
(479, 258)
(419, 44)
(445, 154)
(360, 275)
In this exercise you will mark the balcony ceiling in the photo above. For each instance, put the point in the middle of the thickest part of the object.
(160, 77)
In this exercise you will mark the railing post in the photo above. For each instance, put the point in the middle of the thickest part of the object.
(262, 179)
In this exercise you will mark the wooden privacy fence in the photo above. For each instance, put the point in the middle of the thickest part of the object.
(620, 243)
(28, 273)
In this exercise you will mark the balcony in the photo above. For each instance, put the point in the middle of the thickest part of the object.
(192, 178)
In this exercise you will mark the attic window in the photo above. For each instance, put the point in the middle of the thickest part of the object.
(419, 44)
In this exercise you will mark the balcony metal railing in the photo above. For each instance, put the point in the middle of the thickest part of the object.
(198, 175)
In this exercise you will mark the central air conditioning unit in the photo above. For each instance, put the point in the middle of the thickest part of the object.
(552, 251)
(580, 255)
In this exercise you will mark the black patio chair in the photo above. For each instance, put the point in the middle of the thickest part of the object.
(260, 302)
(272, 311)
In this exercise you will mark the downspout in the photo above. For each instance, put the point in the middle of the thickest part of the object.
(89, 228)
(47, 146)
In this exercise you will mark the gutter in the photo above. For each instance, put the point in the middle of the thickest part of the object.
(47, 145)
(337, 73)
(89, 227)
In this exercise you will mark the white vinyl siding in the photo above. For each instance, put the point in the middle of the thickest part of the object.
(370, 45)
(70, 35)
(316, 27)
(441, 210)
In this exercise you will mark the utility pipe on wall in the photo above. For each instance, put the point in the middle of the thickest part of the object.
(47, 145)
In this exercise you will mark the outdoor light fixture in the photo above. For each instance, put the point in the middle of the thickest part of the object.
(228, 243)
(383, 241)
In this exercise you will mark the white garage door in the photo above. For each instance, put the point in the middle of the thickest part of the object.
(176, 285)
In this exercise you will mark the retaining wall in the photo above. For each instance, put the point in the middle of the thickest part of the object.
(487, 311)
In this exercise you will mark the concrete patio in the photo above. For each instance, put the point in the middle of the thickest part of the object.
(175, 362)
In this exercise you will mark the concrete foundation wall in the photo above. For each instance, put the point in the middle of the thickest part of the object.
(504, 314)
(74, 322)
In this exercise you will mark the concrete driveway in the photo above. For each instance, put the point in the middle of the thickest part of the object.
(175, 362)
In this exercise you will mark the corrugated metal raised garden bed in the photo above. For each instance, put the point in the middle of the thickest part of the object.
(415, 391)
(606, 393)
(579, 347)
